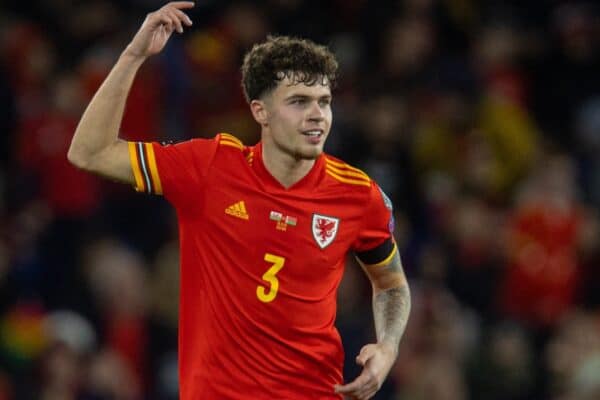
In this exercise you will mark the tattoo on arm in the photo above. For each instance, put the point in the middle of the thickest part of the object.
(391, 308)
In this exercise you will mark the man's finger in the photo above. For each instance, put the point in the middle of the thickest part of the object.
(177, 22)
(183, 17)
(180, 5)
(164, 18)
(355, 385)
(366, 391)
(365, 353)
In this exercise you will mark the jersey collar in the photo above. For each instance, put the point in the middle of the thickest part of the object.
(310, 180)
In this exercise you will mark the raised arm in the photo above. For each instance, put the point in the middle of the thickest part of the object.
(96, 146)
(391, 307)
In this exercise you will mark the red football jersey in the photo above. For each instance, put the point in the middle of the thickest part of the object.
(261, 264)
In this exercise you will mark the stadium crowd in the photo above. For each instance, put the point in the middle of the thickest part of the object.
(480, 119)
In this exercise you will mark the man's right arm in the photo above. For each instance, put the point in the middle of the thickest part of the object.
(96, 146)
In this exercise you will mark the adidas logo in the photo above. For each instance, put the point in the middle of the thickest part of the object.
(238, 210)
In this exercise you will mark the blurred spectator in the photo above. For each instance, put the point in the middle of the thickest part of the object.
(407, 49)
(475, 255)
(71, 329)
(544, 269)
(503, 368)
(572, 357)
(43, 142)
(570, 68)
(60, 374)
(118, 281)
(437, 342)
(216, 103)
(164, 306)
(384, 125)
(109, 377)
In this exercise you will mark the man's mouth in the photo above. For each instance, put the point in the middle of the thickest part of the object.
(313, 133)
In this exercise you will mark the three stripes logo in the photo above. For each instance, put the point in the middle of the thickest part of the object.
(346, 173)
(238, 210)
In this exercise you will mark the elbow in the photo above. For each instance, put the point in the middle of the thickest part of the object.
(77, 158)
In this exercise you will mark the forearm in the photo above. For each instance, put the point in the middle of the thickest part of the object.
(99, 126)
(391, 308)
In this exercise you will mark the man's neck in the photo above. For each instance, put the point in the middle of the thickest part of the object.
(286, 169)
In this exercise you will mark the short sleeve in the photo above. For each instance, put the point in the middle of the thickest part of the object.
(375, 242)
(173, 170)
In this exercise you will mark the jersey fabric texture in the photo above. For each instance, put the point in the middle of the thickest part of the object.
(261, 264)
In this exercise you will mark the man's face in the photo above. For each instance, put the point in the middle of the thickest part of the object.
(298, 118)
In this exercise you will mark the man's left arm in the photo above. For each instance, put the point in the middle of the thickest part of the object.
(391, 308)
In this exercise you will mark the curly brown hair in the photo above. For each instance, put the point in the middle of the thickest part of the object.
(280, 57)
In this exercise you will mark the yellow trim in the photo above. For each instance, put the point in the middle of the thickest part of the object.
(229, 135)
(232, 144)
(135, 167)
(344, 165)
(387, 259)
(347, 180)
(348, 172)
(153, 168)
(232, 138)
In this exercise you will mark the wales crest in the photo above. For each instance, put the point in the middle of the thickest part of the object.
(324, 229)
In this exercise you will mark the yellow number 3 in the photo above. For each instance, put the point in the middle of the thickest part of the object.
(267, 295)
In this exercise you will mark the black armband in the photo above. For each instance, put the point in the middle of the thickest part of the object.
(379, 254)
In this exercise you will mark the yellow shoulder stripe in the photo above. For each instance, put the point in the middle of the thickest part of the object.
(143, 166)
(135, 167)
(350, 181)
(230, 140)
(227, 136)
(344, 165)
(232, 144)
(343, 172)
(153, 168)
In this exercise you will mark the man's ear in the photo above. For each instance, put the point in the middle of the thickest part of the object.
(259, 112)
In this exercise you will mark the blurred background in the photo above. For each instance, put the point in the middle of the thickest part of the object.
(480, 119)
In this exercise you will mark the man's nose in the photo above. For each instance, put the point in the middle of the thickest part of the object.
(316, 112)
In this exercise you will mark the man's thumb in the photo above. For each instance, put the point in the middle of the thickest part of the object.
(365, 353)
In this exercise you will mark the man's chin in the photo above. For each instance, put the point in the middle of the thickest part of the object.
(309, 154)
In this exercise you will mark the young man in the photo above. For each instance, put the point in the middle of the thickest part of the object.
(264, 230)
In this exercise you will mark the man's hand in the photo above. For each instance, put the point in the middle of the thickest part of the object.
(96, 146)
(376, 360)
(157, 28)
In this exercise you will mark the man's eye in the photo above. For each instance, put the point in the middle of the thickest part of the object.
(298, 101)
(325, 103)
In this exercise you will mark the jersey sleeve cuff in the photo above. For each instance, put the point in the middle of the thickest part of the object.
(143, 165)
(380, 255)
